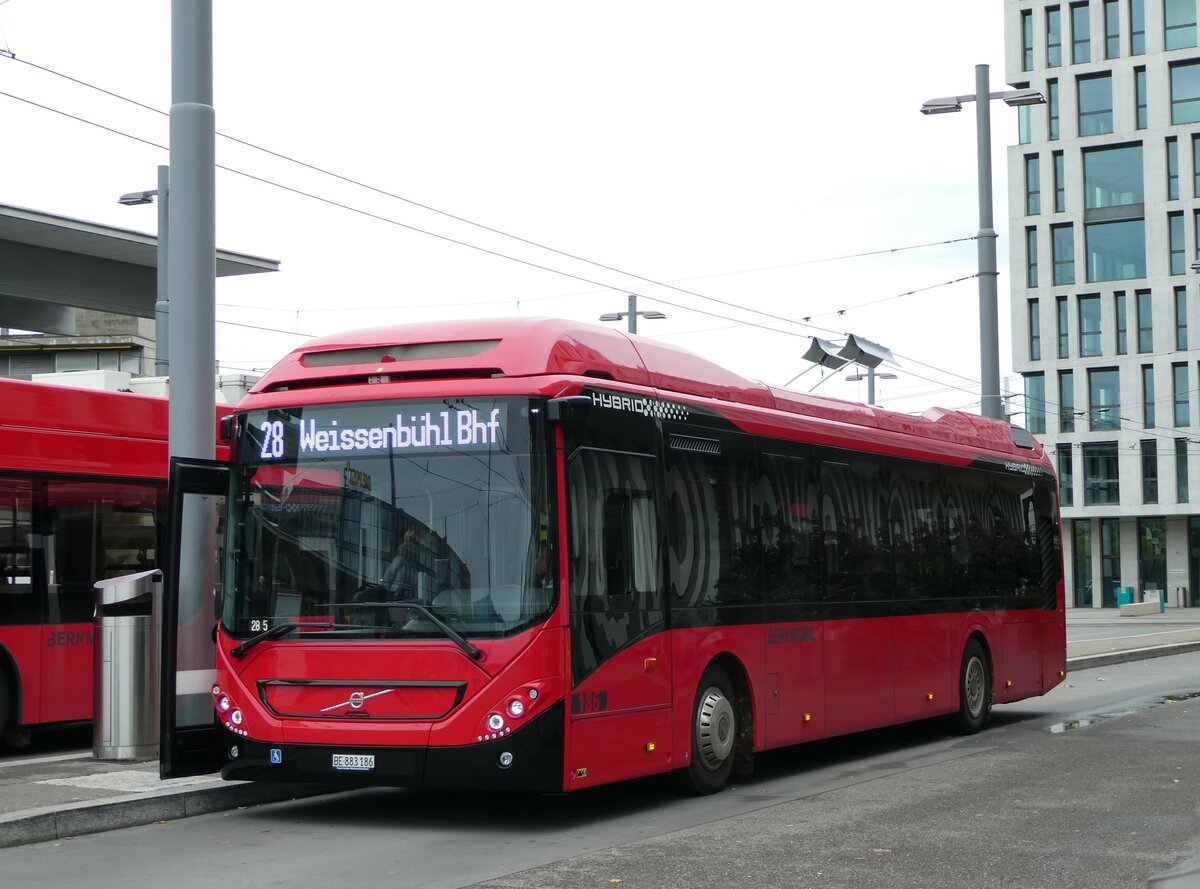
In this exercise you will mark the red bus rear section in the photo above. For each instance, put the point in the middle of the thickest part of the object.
(82, 497)
(538, 555)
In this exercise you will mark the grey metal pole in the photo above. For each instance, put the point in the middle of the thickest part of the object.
(191, 259)
(989, 334)
(633, 313)
(162, 343)
(191, 270)
(870, 385)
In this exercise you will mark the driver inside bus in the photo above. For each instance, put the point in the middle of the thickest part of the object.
(400, 576)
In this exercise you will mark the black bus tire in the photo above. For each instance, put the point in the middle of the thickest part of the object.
(974, 689)
(714, 734)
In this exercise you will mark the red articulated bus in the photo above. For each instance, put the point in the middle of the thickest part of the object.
(540, 555)
(83, 483)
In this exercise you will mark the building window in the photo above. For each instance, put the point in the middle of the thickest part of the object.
(1196, 233)
(1025, 124)
(1145, 321)
(1052, 109)
(1112, 177)
(1089, 326)
(1062, 253)
(1180, 394)
(1031, 258)
(1064, 335)
(1110, 561)
(1060, 183)
(1172, 169)
(1196, 166)
(1026, 40)
(1035, 403)
(1104, 399)
(1065, 486)
(1139, 96)
(1116, 251)
(1035, 331)
(1112, 30)
(1101, 475)
(1081, 41)
(1179, 23)
(1053, 37)
(1122, 323)
(1152, 554)
(1095, 104)
(1181, 337)
(1066, 401)
(1178, 247)
(1033, 186)
(1148, 396)
(1185, 92)
(1149, 471)
(1082, 556)
(1181, 470)
(1137, 27)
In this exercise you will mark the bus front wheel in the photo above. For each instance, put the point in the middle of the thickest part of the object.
(714, 732)
(974, 689)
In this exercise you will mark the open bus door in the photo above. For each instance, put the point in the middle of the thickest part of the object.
(189, 742)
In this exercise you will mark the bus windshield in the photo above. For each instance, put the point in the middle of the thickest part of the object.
(390, 520)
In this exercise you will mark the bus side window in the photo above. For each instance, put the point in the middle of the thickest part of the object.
(613, 542)
(630, 543)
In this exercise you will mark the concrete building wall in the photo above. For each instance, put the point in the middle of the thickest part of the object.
(1152, 528)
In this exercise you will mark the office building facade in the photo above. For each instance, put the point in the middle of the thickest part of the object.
(1104, 223)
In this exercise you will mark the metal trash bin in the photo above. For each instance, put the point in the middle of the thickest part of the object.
(1124, 595)
(125, 682)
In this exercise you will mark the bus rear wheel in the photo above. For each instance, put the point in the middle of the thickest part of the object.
(974, 689)
(714, 732)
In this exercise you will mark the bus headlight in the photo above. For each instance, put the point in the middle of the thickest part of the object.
(496, 722)
(516, 708)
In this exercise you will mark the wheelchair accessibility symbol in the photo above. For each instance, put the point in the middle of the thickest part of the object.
(276, 756)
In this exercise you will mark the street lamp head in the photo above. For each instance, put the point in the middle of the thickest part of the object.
(1021, 98)
(134, 198)
(942, 106)
(653, 315)
(612, 316)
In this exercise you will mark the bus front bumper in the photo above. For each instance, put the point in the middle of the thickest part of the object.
(529, 759)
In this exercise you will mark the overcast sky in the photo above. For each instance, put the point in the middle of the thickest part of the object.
(719, 148)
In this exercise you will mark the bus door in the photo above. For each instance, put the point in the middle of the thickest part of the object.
(189, 744)
(620, 657)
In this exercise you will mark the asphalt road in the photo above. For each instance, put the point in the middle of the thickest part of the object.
(1094, 785)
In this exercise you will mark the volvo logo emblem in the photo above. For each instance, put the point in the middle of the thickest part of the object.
(356, 699)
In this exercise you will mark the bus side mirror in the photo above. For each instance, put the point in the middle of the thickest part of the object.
(569, 410)
(225, 429)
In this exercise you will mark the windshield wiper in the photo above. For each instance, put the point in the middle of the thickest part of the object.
(279, 630)
(452, 634)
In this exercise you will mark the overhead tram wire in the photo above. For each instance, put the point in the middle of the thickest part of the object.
(447, 238)
(459, 242)
(482, 226)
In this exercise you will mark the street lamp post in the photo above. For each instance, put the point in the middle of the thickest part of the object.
(632, 314)
(989, 334)
(162, 344)
(871, 376)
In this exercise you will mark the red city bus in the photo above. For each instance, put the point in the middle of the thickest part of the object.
(539, 555)
(82, 495)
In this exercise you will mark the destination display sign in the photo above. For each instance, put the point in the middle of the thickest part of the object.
(364, 429)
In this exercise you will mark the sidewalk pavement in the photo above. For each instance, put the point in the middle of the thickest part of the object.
(68, 794)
